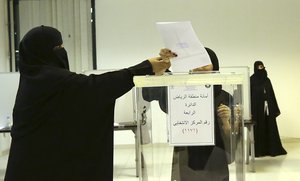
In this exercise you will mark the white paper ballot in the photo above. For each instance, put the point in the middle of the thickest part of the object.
(181, 39)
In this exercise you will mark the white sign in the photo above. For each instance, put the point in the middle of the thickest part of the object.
(191, 115)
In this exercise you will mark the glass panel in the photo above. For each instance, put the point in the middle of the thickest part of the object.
(179, 128)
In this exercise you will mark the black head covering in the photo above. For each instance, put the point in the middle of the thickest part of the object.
(260, 75)
(37, 49)
(215, 62)
(256, 64)
(213, 58)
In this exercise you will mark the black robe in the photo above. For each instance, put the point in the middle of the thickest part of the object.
(62, 121)
(266, 134)
(66, 133)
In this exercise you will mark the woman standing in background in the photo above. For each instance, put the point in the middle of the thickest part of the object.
(264, 110)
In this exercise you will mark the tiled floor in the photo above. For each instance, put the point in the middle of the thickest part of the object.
(281, 168)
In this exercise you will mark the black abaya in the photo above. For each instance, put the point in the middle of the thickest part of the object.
(264, 109)
(62, 121)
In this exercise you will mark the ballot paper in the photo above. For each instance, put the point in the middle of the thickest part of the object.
(181, 38)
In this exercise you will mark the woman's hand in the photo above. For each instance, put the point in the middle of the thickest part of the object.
(224, 114)
(162, 63)
(166, 53)
(159, 66)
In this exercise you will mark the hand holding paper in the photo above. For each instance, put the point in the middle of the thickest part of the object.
(165, 53)
(162, 63)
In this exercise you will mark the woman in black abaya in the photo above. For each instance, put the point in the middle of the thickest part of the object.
(264, 110)
(205, 163)
(62, 121)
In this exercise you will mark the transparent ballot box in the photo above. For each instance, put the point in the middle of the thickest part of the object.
(190, 126)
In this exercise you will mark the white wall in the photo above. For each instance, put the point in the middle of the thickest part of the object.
(71, 17)
(4, 59)
(239, 31)
(4, 67)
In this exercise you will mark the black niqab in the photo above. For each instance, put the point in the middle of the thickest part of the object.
(37, 48)
(260, 75)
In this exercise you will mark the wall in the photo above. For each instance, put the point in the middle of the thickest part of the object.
(4, 59)
(239, 31)
(71, 17)
(4, 67)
